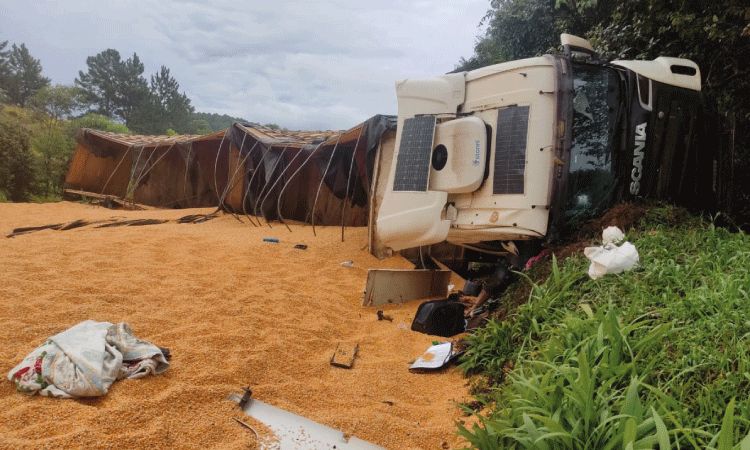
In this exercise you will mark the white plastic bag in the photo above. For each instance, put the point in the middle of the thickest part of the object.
(611, 258)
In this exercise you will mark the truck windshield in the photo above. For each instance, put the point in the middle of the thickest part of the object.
(591, 179)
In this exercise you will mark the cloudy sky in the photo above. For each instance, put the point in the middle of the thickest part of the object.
(303, 64)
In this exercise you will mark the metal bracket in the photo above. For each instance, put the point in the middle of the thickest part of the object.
(245, 397)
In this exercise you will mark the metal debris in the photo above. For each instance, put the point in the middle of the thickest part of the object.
(299, 433)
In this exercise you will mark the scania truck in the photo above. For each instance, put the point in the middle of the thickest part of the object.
(522, 152)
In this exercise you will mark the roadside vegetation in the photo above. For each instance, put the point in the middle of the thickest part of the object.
(656, 357)
(36, 149)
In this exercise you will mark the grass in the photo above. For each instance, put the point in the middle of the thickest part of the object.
(657, 357)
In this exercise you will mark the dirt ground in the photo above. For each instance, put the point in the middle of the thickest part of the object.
(234, 311)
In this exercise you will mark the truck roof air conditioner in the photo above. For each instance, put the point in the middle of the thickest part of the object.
(459, 156)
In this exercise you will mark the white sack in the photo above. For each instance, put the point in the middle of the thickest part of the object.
(611, 259)
(612, 235)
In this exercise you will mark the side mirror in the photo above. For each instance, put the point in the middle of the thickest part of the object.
(573, 45)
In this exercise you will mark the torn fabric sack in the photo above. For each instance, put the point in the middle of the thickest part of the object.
(85, 360)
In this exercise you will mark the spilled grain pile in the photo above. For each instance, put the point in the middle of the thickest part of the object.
(234, 311)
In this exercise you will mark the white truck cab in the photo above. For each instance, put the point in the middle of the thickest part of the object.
(523, 150)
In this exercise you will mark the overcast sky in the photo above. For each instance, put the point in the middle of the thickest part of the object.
(303, 64)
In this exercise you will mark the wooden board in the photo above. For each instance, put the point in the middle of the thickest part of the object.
(398, 286)
(126, 203)
(344, 356)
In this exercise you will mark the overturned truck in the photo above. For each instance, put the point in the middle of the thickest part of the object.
(496, 161)
(503, 158)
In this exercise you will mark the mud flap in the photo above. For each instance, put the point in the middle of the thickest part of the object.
(398, 286)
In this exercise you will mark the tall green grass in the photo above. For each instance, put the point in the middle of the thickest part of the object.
(657, 357)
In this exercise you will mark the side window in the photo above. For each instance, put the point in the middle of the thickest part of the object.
(592, 178)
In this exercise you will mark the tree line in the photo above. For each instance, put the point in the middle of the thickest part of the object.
(20, 74)
(38, 121)
(116, 88)
(112, 87)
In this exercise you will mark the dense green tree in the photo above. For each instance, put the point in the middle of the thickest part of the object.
(4, 56)
(114, 88)
(178, 111)
(132, 88)
(713, 33)
(117, 89)
(164, 86)
(53, 153)
(16, 160)
(517, 29)
(98, 122)
(100, 81)
(4, 68)
(23, 77)
(486, 52)
(525, 28)
(707, 32)
(54, 147)
(200, 126)
(218, 121)
(56, 102)
(149, 118)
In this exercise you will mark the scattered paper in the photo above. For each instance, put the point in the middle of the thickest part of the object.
(435, 357)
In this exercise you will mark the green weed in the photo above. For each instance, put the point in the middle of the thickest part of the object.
(651, 358)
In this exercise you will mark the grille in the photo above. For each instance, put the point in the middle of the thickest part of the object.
(413, 163)
(510, 150)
